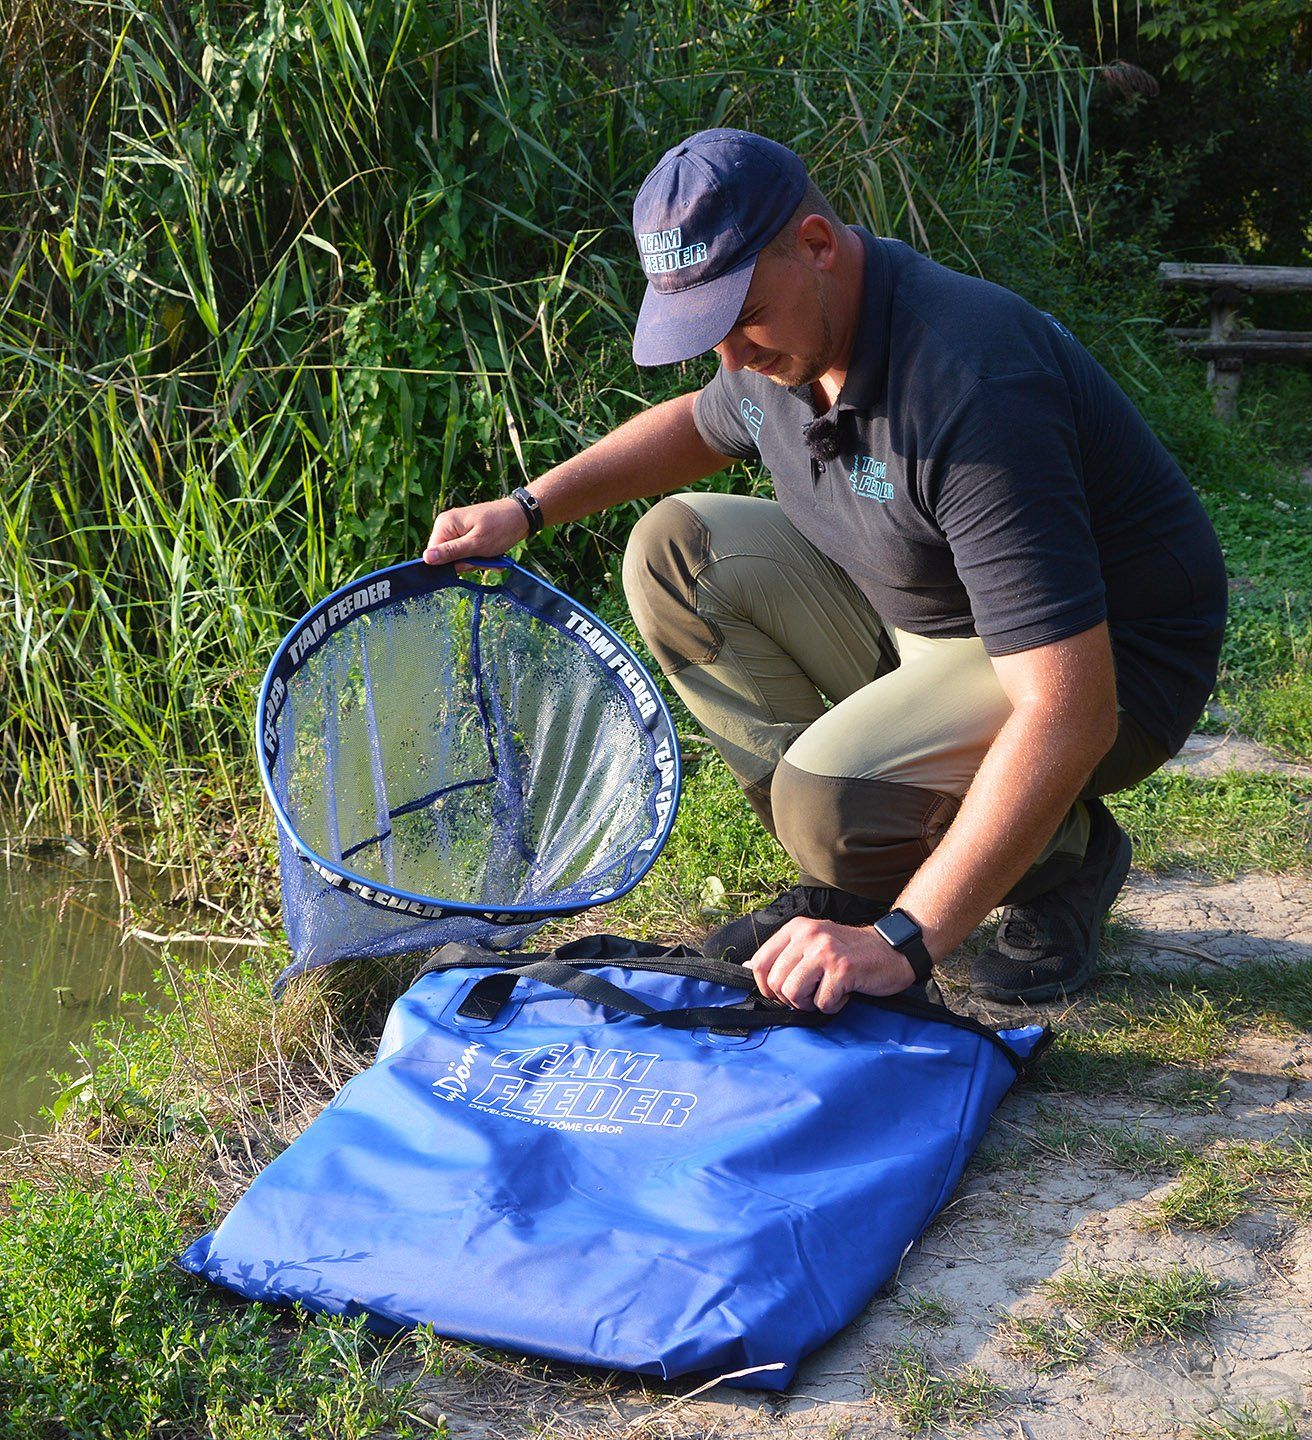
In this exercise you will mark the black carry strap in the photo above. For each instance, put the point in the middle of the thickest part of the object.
(565, 969)
(485, 1000)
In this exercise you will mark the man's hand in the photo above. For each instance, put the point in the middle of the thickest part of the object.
(476, 531)
(816, 965)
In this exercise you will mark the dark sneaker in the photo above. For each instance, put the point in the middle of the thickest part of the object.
(1049, 947)
(740, 939)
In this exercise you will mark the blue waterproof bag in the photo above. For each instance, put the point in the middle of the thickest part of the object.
(619, 1155)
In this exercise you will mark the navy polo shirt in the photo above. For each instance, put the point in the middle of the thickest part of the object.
(993, 480)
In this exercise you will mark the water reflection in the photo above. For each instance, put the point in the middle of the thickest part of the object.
(64, 964)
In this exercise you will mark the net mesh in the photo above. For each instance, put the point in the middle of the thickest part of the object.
(471, 745)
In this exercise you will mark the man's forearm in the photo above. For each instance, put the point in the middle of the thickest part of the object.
(1035, 768)
(657, 450)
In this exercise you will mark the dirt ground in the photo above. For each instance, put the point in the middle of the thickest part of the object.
(1023, 1215)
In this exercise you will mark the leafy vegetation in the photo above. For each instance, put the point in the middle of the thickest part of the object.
(101, 1335)
(1249, 1420)
(1159, 1038)
(1234, 822)
(1063, 1135)
(925, 1310)
(1047, 1344)
(1155, 1045)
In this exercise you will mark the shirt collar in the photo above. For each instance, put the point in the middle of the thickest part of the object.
(867, 370)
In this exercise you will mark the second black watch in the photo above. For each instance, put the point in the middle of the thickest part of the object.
(907, 938)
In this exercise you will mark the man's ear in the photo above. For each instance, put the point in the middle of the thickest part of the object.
(817, 243)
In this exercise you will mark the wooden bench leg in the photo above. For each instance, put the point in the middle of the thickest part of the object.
(1223, 377)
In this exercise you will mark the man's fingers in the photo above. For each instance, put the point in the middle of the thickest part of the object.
(802, 965)
(830, 995)
(798, 986)
(762, 963)
(441, 547)
(445, 549)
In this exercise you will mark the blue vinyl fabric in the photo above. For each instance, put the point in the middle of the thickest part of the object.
(571, 1182)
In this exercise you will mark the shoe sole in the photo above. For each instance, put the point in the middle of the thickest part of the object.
(1037, 994)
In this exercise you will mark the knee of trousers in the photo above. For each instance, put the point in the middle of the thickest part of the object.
(667, 549)
(867, 837)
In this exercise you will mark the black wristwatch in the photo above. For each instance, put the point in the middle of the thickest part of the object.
(908, 939)
(528, 503)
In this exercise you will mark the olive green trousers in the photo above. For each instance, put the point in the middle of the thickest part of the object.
(855, 742)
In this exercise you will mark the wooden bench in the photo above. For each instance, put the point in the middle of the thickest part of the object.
(1223, 344)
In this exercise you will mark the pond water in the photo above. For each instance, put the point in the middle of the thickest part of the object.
(64, 964)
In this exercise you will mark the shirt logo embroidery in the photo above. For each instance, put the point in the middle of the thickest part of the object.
(868, 478)
(664, 250)
(1057, 324)
(753, 416)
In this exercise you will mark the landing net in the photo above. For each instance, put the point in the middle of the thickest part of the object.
(457, 757)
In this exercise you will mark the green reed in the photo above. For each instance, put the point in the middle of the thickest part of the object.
(279, 282)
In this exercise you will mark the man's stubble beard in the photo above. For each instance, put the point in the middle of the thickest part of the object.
(812, 366)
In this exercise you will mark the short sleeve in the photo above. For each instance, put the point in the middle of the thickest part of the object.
(1004, 482)
(723, 417)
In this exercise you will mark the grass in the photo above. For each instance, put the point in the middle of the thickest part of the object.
(1248, 1420)
(1046, 1344)
(923, 1398)
(1247, 477)
(1153, 1040)
(1273, 995)
(1232, 1178)
(98, 1329)
(1225, 825)
(1134, 1305)
(717, 835)
(1159, 1038)
(925, 1310)
(1061, 1135)
(1264, 523)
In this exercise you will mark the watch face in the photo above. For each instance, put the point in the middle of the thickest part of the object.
(898, 929)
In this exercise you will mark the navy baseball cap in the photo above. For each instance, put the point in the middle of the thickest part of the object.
(701, 218)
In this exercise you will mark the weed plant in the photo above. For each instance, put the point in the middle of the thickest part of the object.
(101, 1335)
(1065, 1135)
(1046, 1344)
(925, 1310)
(923, 1398)
(1232, 1178)
(1249, 1420)
(1136, 1304)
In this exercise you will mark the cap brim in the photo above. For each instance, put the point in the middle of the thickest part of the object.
(677, 325)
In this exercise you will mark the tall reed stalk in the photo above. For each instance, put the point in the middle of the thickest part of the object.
(278, 282)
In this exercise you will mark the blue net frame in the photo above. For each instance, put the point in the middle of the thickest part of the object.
(456, 758)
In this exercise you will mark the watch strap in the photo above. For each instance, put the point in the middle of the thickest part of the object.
(528, 503)
(911, 947)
